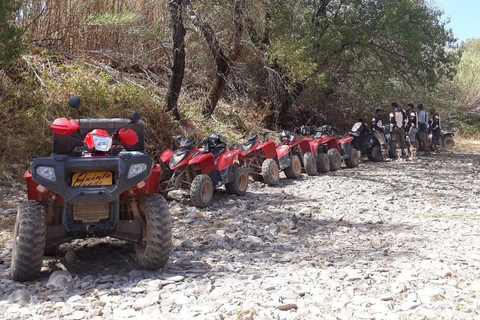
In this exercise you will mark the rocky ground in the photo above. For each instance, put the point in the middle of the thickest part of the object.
(383, 241)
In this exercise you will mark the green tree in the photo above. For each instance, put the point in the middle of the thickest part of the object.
(349, 53)
(10, 44)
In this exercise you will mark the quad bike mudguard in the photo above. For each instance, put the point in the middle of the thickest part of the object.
(303, 144)
(284, 156)
(224, 164)
(166, 156)
(331, 142)
(206, 162)
(226, 160)
(268, 149)
(283, 150)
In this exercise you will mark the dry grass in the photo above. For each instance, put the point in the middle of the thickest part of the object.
(467, 145)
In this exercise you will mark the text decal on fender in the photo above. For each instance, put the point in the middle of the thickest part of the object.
(91, 179)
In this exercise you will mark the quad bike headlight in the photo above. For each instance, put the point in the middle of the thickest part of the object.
(102, 143)
(246, 147)
(136, 169)
(47, 173)
(177, 157)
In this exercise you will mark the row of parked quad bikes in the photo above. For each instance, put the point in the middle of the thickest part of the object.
(100, 182)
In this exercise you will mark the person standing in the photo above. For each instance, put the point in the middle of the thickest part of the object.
(436, 131)
(422, 119)
(411, 131)
(377, 129)
(398, 119)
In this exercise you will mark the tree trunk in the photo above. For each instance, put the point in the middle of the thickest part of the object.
(178, 67)
(222, 61)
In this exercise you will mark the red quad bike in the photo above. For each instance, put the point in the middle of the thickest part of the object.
(294, 154)
(337, 148)
(260, 159)
(203, 170)
(98, 182)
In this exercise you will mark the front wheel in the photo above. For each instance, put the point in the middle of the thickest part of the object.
(240, 181)
(377, 155)
(335, 159)
(309, 164)
(154, 253)
(295, 169)
(201, 191)
(270, 172)
(323, 163)
(448, 143)
(353, 160)
(29, 241)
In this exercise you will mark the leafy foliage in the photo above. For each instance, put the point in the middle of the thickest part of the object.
(10, 42)
(368, 52)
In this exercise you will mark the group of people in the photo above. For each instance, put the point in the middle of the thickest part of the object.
(405, 126)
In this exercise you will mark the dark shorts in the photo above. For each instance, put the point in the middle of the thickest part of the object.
(436, 134)
(422, 133)
(399, 136)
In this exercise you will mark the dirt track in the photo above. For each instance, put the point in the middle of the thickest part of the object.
(389, 240)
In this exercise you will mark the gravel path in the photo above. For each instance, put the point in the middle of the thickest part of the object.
(382, 241)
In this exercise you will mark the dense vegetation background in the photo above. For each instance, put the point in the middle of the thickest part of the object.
(192, 66)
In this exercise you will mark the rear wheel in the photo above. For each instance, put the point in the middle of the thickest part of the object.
(309, 164)
(270, 172)
(377, 155)
(201, 191)
(335, 159)
(29, 241)
(448, 143)
(295, 169)
(353, 160)
(154, 253)
(240, 181)
(323, 163)
(392, 149)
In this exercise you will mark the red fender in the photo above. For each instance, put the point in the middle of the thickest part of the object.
(206, 161)
(346, 139)
(226, 159)
(166, 156)
(304, 145)
(314, 144)
(331, 142)
(282, 150)
(34, 194)
(152, 183)
(268, 149)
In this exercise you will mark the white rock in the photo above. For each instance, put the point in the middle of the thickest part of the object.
(59, 279)
(20, 296)
(172, 277)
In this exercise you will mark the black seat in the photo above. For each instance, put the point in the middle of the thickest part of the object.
(187, 143)
(251, 137)
(216, 151)
(215, 145)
